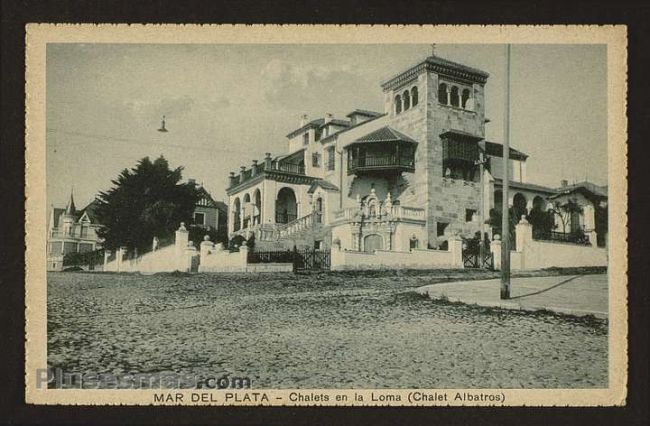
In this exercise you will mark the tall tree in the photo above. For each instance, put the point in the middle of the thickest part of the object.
(146, 201)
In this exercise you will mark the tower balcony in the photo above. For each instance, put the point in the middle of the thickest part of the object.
(384, 150)
(377, 162)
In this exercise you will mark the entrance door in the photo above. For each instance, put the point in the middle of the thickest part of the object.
(372, 243)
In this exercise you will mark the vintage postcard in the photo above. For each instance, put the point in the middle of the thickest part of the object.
(326, 215)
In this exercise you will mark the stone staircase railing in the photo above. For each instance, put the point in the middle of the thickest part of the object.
(295, 226)
(396, 213)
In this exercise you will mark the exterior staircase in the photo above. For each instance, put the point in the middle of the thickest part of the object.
(301, 232)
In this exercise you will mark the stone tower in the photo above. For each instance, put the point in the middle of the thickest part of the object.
(441, 105)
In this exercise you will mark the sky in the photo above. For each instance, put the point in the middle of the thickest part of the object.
(226, 105)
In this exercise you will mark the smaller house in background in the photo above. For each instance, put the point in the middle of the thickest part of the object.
(590, 216)
(209, 214)
(71, 231)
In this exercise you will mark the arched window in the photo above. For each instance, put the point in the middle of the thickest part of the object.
(519, 204)
(414, 96)
(286, 207)
(246, 210)
(236, 215)
(257, 207)
(465, 98)
(407, 100)
(442, 94)
(398, 104)
(455, 99)
(319, 210)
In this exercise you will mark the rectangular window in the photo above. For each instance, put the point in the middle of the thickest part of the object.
(318, 245)
(331, 158)
(469, 214)
(440, 228)
(305, 139)
(315, 159)
(199, 218)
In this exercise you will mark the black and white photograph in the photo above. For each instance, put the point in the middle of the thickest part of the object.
(358, 220)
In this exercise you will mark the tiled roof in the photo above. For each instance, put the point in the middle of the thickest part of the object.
(439, 65)
(336, 122)
(522, 185)
(461, 134)
(496, 150)
(221, 206)
(314, 123)
(299, 154)
(325, 184)
(364, 112)
(600, 191)
(334, 135)
(57, 214)
(384, 134)
(437, 60)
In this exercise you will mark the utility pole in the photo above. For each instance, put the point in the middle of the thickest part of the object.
(481, 210)
(505, 213)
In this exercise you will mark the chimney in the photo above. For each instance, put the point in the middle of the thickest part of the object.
(564, 183)
(232, 178)
(254, 168)
(304, 119)
(191, 181)
(328, 117)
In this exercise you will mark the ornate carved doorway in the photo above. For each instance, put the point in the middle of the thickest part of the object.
(373, 242)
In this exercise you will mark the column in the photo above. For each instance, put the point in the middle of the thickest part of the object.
(190, 255)
(243, 253)
(107, 254)
(456, 249)
(206, 247)
(180, 244)
(120, 258)
(495, 248)
(524, 231)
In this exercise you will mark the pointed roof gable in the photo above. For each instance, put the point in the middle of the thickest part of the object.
(205, 199)
(70, 209)
(89, 212)
(325, 184)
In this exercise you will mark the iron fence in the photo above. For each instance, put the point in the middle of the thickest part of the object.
(302, 260)
(564, 237)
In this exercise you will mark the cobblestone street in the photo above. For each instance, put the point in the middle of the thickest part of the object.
(313, 331)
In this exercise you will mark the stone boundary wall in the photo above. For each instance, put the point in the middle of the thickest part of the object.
(344, 260)
(183, 256)
(533, 254)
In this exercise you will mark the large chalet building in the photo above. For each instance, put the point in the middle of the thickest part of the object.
(403, 178)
